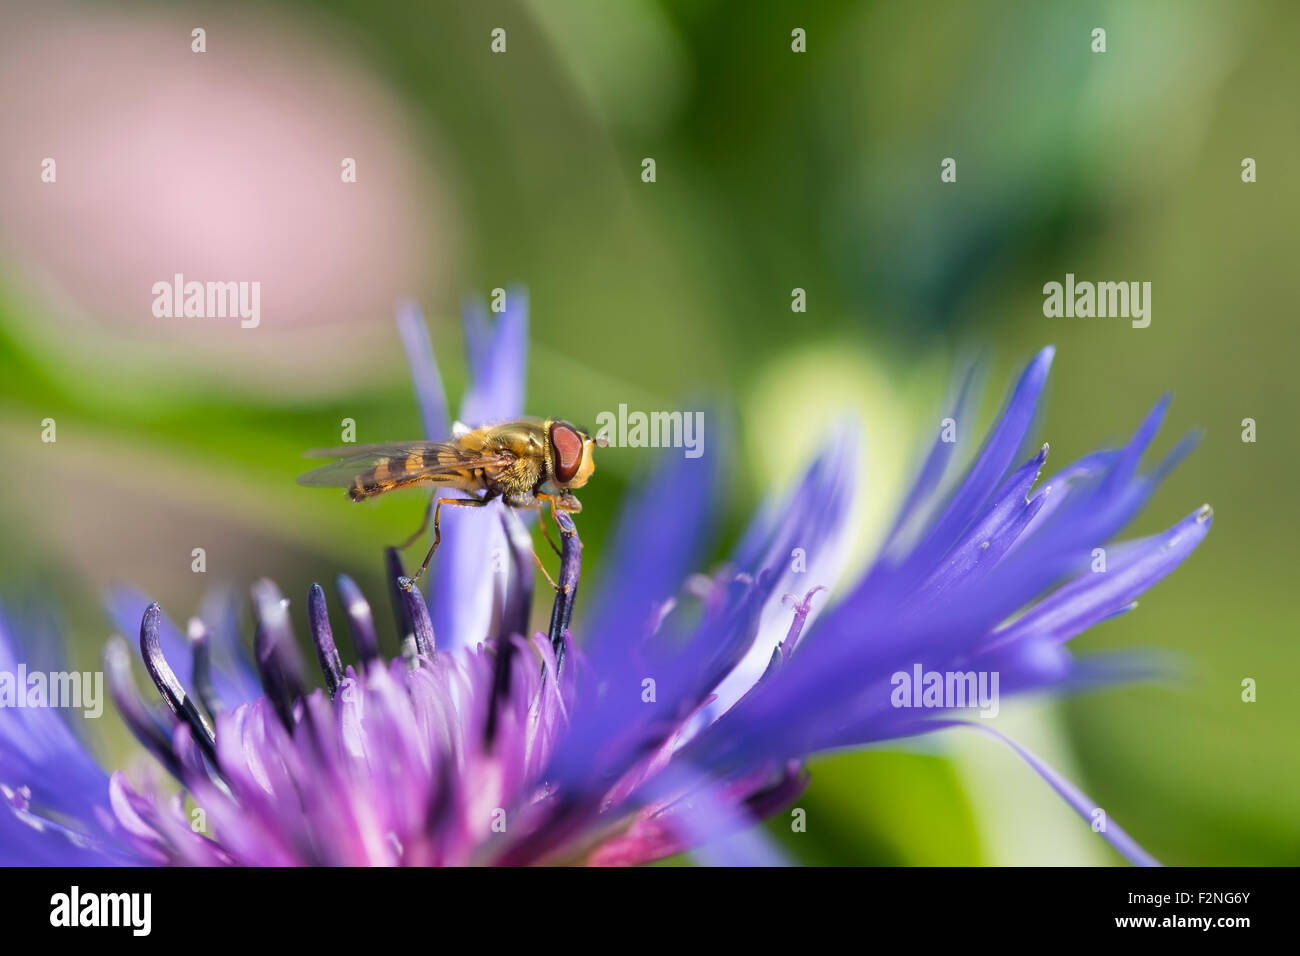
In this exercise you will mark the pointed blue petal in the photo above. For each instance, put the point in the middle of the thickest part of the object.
(656, 544)
(498, 361)
(462, 588)
(1079, 801)
(429, 393)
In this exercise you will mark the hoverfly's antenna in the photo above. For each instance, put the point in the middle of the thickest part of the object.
(601, 441)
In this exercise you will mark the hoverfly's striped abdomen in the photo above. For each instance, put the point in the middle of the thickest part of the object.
(389, 474)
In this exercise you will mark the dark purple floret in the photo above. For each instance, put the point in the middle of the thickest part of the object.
(361, 624)
(323, 637)
(567, 595)
(203, 687)
(278, 661)
(168, 686)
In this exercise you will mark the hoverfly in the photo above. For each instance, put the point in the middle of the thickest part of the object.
(527, 464)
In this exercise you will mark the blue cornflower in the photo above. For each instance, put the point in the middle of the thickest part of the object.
(682, 715)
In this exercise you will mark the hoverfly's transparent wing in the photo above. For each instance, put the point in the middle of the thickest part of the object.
(355, 460)
(376, 449)
(368, 470)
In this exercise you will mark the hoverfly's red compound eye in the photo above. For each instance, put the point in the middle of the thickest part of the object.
(567, 445)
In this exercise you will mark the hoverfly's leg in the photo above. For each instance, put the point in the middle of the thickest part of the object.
(541, 521)
(547, 574)
(437, 531)
(424, 525)
(534, 503)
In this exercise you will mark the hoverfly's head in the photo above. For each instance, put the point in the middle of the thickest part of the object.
(571, 454)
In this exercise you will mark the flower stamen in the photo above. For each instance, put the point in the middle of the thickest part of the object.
(164, 679)
(322, 636)
(361, 622)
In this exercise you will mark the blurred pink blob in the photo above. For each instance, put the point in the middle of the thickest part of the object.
(223, 165)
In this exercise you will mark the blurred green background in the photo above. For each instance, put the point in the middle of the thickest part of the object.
(774, 170)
